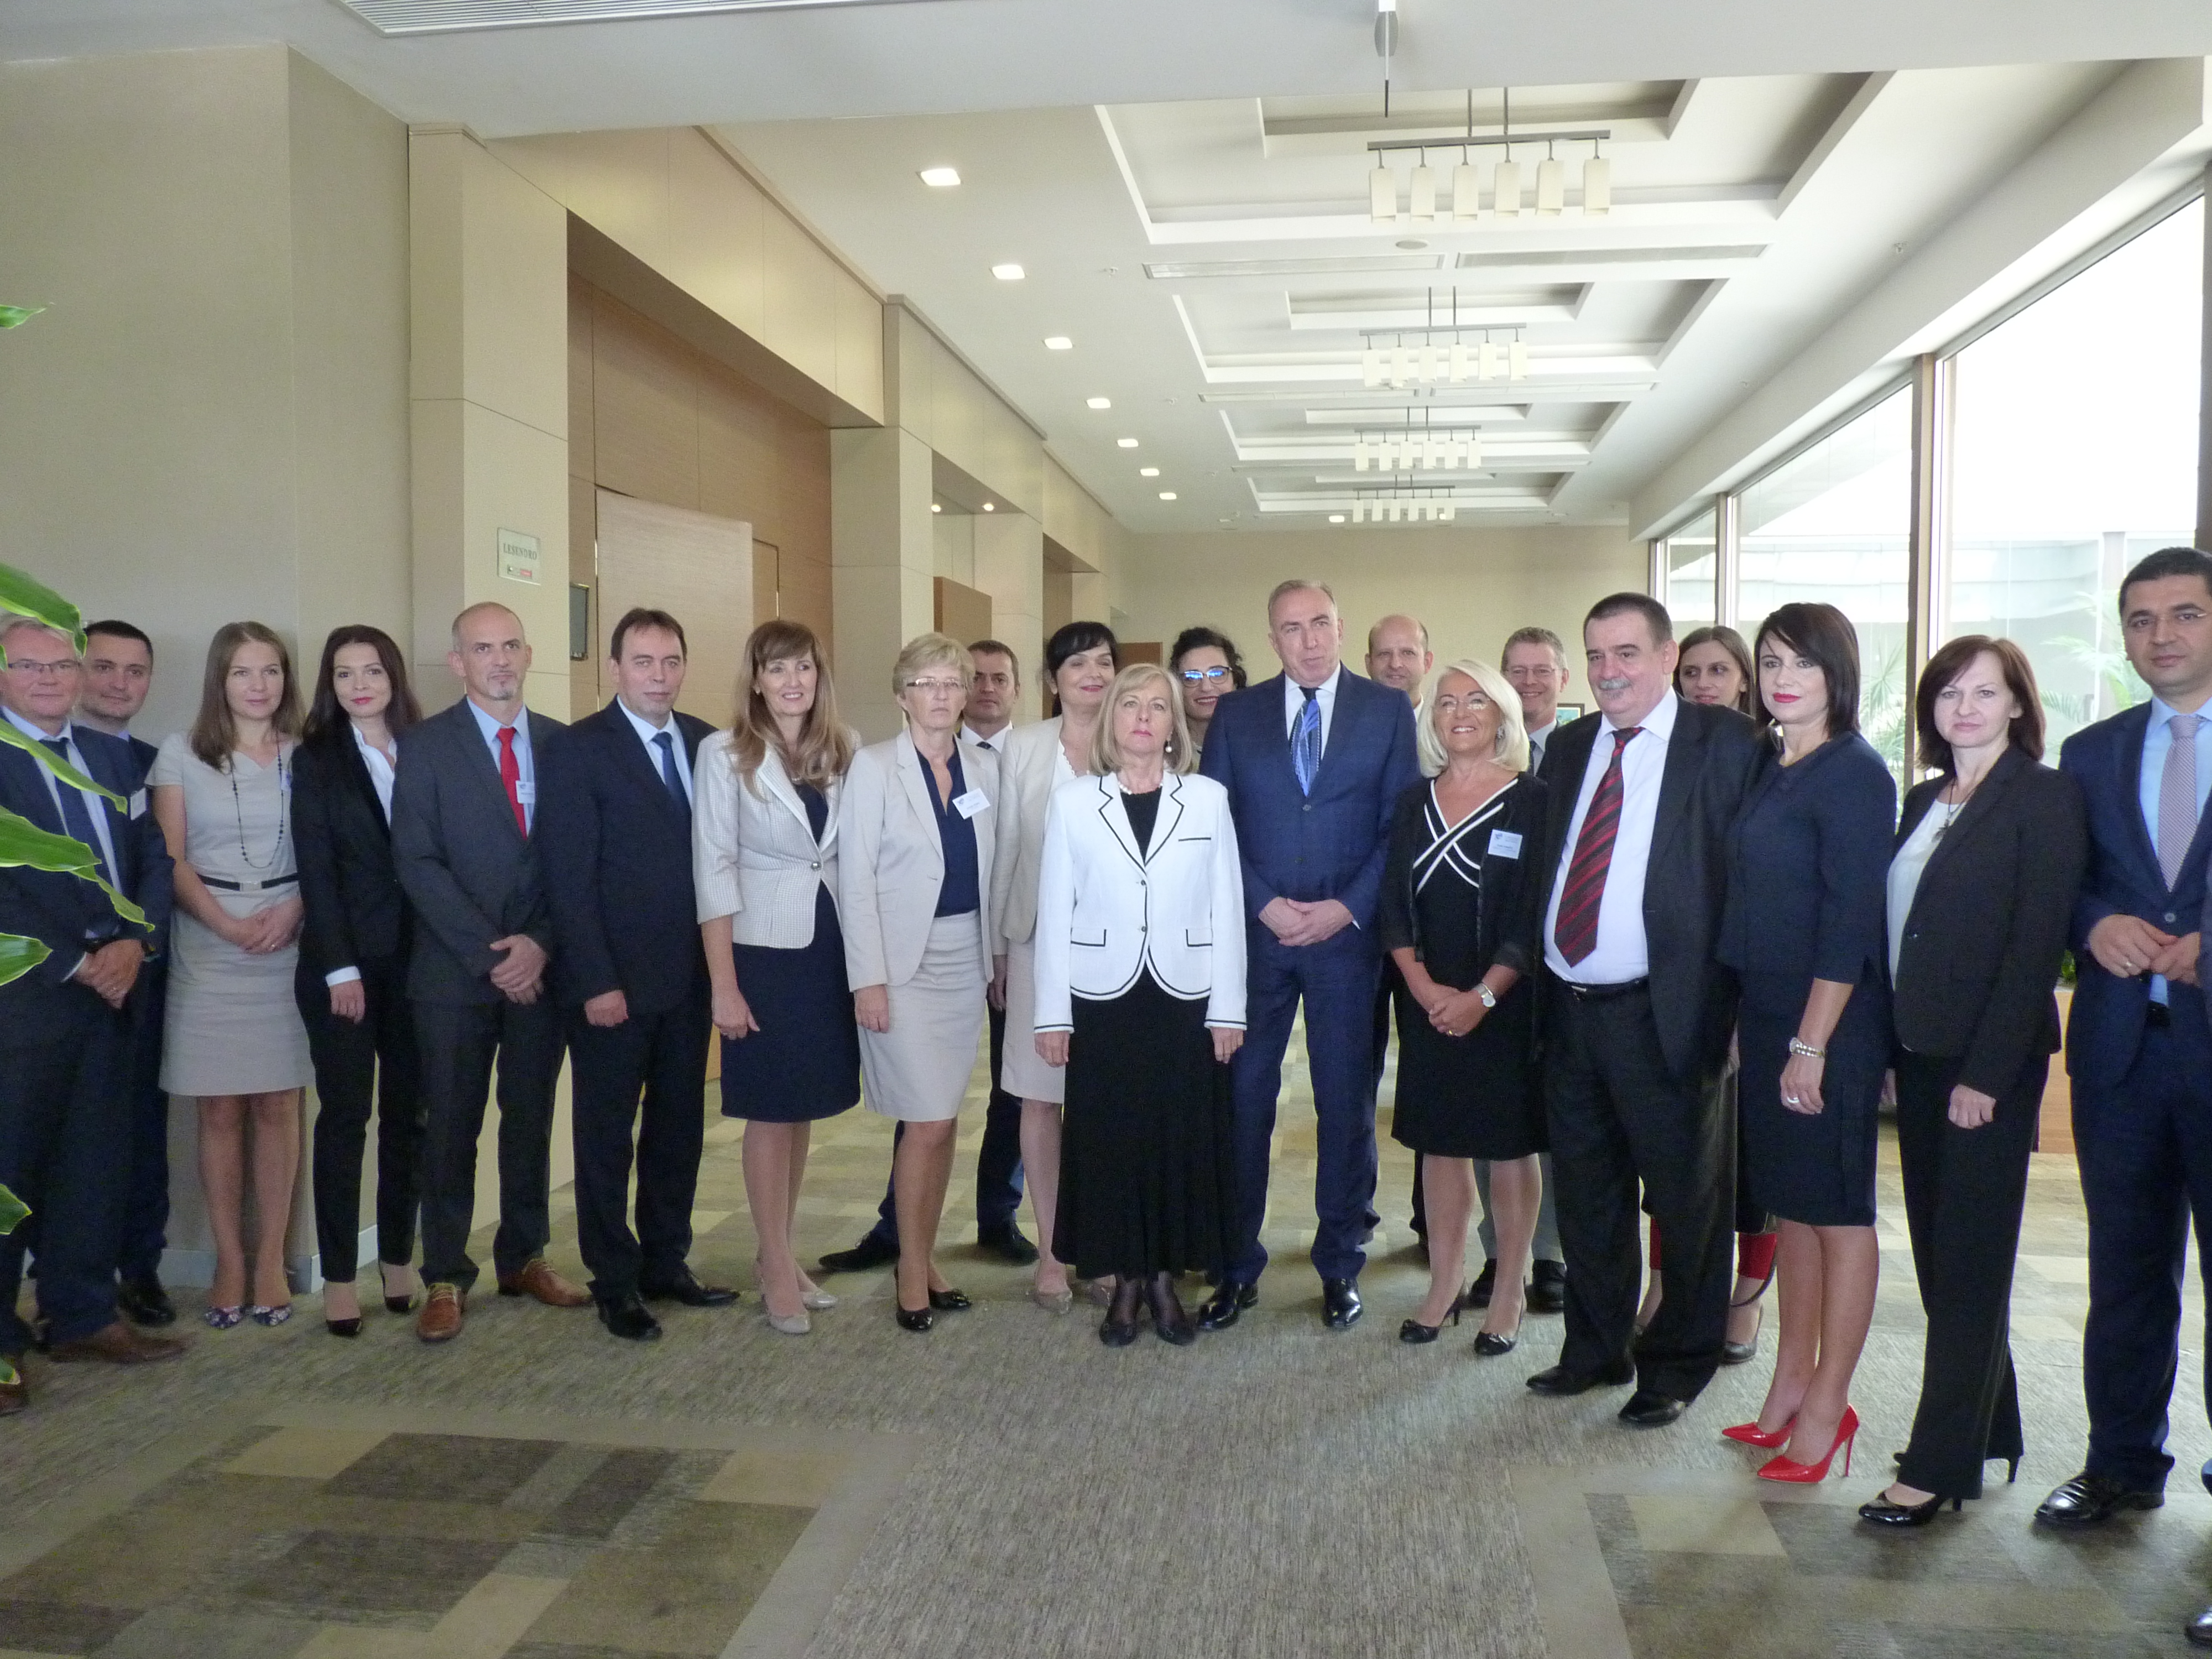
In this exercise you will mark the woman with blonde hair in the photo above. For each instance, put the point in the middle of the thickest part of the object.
(1462, 903)
(916, 830)
(234, 1038)
(764, 861)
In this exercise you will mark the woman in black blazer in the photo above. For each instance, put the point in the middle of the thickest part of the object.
(1459, 916)
(352, 980)
(1989, 857)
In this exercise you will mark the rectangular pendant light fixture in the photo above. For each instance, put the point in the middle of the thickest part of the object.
(1467, 191)
(1422, 195)
(1360, 455)
(1382, 196)
(1551, 187)
(1517, 361)
(1597, 187)
(1371, 367)
(1506, 189)
(1487, 361)
(1458, 362)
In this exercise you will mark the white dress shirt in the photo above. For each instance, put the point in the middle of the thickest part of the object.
(527, 784)
(2158, 739)
(379, 771)
(1623, 953)
(993, 743)
(647, 731)
(1294, 700)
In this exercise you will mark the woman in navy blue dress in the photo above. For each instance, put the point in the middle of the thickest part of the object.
(1808, 857)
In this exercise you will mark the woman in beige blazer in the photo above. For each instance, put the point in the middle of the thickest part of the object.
(765, 863)
(1078, 668)
(916, 828)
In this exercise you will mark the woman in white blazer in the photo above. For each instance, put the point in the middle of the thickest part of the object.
(1079, 666)
(916, 829)
(1140, 996)
(764, 862)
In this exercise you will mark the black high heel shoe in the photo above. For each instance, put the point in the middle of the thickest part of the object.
(950, 1301)
(399, 1304)
(1415, 1332)
(343, 1327)
(1490, 1344)
(1883, 1513)
(915, 1318)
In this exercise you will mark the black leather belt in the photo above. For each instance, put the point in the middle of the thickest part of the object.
(1605, 993)
(248, 886)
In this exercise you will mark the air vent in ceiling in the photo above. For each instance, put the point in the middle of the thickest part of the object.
(1612, 256)
(1176, 269)
(454, 16)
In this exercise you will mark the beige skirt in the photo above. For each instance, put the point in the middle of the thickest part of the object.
(918, 1070)
(1021, 1072)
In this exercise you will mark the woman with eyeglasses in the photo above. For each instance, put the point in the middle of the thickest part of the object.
(916, 830)
(1206, 669)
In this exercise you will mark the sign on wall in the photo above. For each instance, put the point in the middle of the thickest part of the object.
(518, 558)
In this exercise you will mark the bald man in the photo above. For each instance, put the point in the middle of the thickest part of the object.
(464, 836)
(1398, 655)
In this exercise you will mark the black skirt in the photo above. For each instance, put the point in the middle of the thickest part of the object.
(1473, 1096)
(804, 1063)
(1147, 1170)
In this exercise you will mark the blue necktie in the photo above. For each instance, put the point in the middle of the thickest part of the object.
(77, 822)
(1305, 740)
(666, 744)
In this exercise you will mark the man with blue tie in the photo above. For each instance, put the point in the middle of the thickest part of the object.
(2137, 1045)
(1313, 760)
(65, 1099)
(616, 834)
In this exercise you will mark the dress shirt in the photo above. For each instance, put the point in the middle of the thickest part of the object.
(995, 742)
(2158, 741)
(379, 770)
(94, 803)
(1294, 700)
(1537, 739)
(1908, 866)
(1623, 953)
(528, 767)
(647, 731)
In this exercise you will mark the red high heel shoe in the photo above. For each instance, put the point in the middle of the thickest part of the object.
(1807, 1475)
(1750, 1434)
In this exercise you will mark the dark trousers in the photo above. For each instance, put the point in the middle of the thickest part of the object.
(1619, 1117)
(998, 1160)
(2145, 1150)
(1964, 1191)
(459, 1042)
(143, 1221)
(661, 1059)
(65, 1148)
(371, 1066)
(1336, 981)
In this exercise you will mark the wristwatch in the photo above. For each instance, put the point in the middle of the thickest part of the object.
(1489, 997)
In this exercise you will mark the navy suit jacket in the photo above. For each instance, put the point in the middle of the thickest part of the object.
(66, 913)
(1332, 844)
(617, 857)
(2106, 1026)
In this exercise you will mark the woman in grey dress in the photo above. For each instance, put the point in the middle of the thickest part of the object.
(222, 793)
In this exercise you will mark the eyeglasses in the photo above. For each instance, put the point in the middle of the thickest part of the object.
(1204, 676)
(1454, 705)
(936, 688)
(59, 666)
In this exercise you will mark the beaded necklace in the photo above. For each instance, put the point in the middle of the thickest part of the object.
(283, 811)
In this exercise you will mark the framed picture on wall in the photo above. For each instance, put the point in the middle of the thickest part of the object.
(1572, 711)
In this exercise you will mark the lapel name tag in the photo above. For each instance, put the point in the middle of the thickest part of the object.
(137, 803)
(1504, 844)
(970, 804)
(525, 791)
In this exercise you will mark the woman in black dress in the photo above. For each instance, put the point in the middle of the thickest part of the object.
(763, 855)
(1139, 983)
(1807, 859)
(1459, 916)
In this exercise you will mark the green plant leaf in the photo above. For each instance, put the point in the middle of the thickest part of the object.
(55, 764)
(16, 316)
(21, 592)
(18, 955)
(12, 1210)
(23, 843)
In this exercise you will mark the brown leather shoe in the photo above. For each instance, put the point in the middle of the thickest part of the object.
(118, 1344)
(14, 1396)
(537, 1278)
(441, 1318)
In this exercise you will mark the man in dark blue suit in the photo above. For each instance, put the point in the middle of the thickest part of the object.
(1313, 760)
(2137, 1045)
(64, 1105)
(615, 834)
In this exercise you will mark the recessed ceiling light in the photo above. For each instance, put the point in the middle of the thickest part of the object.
(1008, 273)
(940, 178)
(1125, 443)
(1058, 342)
(1412, 243)
(1167, 494)
(1148, 472)
(937, 506)
(1336, 517)
(990, 507)
(1098, 402)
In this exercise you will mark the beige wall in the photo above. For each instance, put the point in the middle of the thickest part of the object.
(1472, 587)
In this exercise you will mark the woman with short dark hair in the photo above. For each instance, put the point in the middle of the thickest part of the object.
(1802, 929)
(1989, 857)
(1206, 669)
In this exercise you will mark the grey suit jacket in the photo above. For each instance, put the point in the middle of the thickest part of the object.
(470, 874)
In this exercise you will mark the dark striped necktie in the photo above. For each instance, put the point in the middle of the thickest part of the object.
(1576, 930)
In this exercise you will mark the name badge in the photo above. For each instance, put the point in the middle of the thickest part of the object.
(1504, 844)
(137, 803)
(525, 791)
(970, 804)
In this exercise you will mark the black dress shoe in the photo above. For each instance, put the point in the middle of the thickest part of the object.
(1117, 1332)
(1490, 1344)
(1547, 1288)
(2090, 1500)
(1883, 1513)
(1222, 1307)
(950, 1301)
(870, 1252)
(2199, 1630)
(1478, 1294)
(343, 1327)
(1008, 1243)
(1648, 1408)
(915, 1318)
(686, 1288)
(143, 1302)
(1559, 1381)
(1340, 1306)
(625, 1316)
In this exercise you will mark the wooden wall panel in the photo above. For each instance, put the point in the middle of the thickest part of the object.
(697, 567)
(581, 464)
(645, 404)
(961, 611)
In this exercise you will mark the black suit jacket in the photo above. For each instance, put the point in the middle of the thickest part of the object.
(1509, 913)
(1709, 763)
(66, 913)
(356, 913)
(1989, 919)
(618, 855)
(470, 873)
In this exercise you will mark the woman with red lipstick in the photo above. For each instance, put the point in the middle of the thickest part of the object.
(352, 980)
(1802, 929)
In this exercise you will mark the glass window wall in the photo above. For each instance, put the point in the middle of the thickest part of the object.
(1692, 563)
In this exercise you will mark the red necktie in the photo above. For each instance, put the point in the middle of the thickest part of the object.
(510, 774)
(1576, 930)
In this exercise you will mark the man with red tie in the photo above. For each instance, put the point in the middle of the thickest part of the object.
(1636, 1013)
(464, 836)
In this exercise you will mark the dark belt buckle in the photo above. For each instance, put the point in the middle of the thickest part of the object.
(1604, 992)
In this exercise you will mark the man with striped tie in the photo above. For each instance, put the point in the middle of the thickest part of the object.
(1636, 1013)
